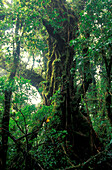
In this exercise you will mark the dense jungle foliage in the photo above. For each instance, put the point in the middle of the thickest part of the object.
(63, 48)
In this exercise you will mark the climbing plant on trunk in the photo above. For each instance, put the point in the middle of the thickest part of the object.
(60, 64)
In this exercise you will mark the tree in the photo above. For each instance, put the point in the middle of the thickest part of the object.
(8, 94)
(60, 63)
(97, 22)
(13, 30)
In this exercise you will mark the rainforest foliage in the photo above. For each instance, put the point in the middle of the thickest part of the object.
(63, 48)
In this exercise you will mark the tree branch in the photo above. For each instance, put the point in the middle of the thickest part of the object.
(87, 161)
(26, 73)
(52, 32)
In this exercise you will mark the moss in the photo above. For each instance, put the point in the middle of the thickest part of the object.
(56, 64)
(49, 63)
(55, 74)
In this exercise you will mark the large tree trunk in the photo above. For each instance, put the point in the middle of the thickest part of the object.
(60, 61)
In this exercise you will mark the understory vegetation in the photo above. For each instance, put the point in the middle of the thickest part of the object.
(63, 48)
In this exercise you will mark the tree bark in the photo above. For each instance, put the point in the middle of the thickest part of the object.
(60, 61)
(5, 128)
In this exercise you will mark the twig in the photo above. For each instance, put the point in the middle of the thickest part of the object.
(18, 126)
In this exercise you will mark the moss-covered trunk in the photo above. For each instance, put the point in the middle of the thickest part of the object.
(60, 62)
